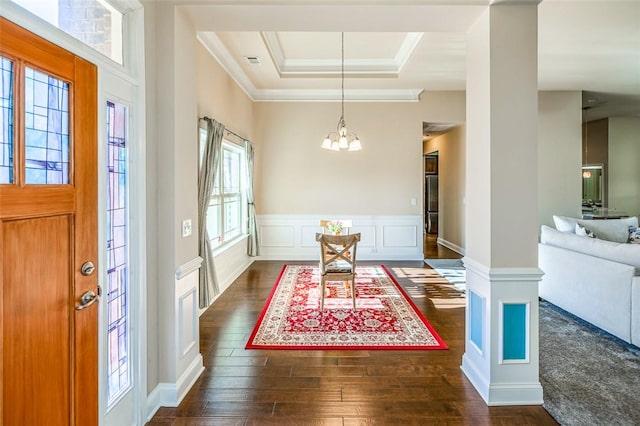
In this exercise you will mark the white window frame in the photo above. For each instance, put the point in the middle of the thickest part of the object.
(220, 242)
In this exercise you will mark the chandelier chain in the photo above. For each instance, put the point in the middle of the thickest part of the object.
(342, 74)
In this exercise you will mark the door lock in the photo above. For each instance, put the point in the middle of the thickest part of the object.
(87, 268)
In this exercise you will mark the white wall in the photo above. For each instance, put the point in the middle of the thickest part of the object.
(559, 155)
(624, 164)
(172, 190)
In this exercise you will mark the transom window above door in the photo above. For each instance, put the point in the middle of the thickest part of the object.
(96, 23)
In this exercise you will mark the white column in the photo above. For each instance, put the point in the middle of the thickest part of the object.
(501, 337)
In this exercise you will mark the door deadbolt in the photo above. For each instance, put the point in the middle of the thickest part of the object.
(87, 268)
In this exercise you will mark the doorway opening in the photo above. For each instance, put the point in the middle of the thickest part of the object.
(431, 193)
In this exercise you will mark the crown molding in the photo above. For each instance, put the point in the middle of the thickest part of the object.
(333, 67)
(220, 53)
(311, 95)
(217, 49)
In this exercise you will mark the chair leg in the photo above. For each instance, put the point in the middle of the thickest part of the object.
(353, 293)
(323, 286)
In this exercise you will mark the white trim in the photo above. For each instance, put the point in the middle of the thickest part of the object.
(384, 237)
(363, 67)
(188, 267)
(500, 274)
(451, 246)
(354, 95)
(172, 394)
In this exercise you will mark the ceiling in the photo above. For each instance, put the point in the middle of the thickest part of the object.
(283, 50)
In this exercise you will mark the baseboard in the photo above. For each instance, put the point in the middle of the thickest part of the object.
(451, 246)
(228, 280)
(171, 394)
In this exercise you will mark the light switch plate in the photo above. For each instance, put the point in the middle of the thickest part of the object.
(186, 227)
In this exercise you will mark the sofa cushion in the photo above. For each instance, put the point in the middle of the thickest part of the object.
(616, 230)
(628, 254)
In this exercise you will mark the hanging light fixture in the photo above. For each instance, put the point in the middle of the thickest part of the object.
(342, 139)
(586, 173)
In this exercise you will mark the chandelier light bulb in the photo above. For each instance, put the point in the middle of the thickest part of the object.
(343, 143)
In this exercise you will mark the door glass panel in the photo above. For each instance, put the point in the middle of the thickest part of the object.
(118, 342)
(6, 121)
(46, 128)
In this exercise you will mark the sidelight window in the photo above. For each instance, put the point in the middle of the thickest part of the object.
(118, 341)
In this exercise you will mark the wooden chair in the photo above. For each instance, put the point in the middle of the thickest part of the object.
(338, 261)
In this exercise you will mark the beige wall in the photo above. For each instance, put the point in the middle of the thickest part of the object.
(451, 182)
(219, 97)
(559, 160)
(298, 177)
(624, 170)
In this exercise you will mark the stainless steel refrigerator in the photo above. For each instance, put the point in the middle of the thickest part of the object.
(431, 203)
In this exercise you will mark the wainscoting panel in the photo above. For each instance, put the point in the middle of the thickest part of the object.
(399, 236)
(187, 321)
(277, 236)
(292, 237)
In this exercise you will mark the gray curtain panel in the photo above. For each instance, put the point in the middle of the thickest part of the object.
(253, 245)
(209, 166)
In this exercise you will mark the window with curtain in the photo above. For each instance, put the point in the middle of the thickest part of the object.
(227, 214)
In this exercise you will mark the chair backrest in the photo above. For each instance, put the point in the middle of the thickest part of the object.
(338, 249)
(328, 224)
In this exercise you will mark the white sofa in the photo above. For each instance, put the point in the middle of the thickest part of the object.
(594, 279)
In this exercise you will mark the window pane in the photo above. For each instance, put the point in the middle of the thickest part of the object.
(6, 121)
(232, 214)
(214, 227)
(231, 169)
(46, 128)
(118, 360)
(93, 22)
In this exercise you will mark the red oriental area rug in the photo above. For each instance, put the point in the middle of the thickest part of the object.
(385, 318)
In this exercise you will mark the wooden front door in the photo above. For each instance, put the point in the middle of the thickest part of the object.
(48, 230)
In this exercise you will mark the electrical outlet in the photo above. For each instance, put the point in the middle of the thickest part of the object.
(186, 227)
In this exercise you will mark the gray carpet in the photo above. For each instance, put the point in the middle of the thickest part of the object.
(588, 376)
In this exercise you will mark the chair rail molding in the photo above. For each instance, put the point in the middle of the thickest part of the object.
(384, 237)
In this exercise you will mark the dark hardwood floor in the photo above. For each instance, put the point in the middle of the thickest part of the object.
(280, 387)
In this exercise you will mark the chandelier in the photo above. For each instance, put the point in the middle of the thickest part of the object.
(342, 139)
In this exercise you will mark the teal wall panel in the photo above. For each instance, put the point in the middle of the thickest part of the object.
(514, 342)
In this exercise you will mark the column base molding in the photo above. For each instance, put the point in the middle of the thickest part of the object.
(501, 356)
(504, 393)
